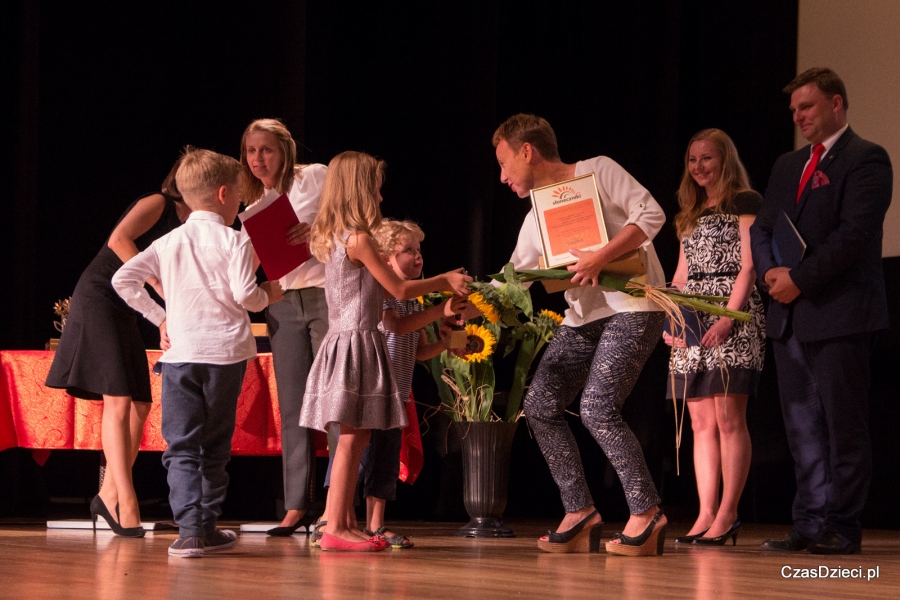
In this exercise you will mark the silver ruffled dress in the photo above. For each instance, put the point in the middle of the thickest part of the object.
(351, 380)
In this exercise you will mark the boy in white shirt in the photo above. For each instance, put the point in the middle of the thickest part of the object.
(206, 271)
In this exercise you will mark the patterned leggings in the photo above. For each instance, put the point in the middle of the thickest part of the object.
(605, 358)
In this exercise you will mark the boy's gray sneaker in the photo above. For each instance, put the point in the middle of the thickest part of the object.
(187, 547)
(219, 540)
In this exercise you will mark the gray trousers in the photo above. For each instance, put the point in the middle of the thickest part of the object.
(297, 325)
(604, 358)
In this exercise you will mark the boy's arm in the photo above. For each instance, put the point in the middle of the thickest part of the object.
(425, 351)
(129, 284)
(242, 279)
(417, 320)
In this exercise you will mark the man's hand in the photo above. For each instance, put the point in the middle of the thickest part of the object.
(164, 342)
(273, 291)
(298, 234)
(587, 269)
(781, 286)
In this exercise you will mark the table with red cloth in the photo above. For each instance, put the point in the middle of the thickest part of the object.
(35, 416)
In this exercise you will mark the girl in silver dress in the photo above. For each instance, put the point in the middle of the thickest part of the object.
(351, 382)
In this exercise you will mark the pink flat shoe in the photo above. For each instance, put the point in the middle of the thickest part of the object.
(334, 544)
(379, 541)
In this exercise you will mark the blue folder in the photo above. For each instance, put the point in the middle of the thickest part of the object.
(788, 245)
(694, 328)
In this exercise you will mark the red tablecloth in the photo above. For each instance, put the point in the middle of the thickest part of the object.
(35, 416)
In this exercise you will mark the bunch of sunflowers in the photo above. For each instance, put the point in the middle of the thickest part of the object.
(467, 383)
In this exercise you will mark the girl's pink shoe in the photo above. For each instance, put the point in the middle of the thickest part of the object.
(379, 541)
(334, 544)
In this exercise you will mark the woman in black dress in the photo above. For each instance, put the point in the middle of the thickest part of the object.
(101, 353)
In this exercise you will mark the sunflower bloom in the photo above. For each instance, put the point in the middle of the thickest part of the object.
(554, 316)
(490, 313)
(481, 342)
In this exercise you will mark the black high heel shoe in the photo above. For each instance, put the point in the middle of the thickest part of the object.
(721, 539)
(647, 544)
(305, 521)
(689, 539)
(578, 539)
(98, 508)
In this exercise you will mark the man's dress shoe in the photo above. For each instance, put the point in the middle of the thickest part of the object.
(792, 542)
(834, 543)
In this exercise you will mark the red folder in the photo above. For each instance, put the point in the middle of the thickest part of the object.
(267, 223)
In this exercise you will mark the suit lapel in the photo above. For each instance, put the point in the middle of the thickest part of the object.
(839, 145)
(823, 165)
(800, 158)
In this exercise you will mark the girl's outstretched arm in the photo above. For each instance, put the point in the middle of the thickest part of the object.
(362, 251)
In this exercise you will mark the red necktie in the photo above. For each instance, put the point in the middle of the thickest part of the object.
(817, 152)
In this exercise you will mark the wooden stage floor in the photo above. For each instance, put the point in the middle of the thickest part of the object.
(39, 563)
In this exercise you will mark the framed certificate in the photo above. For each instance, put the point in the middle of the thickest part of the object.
(569, 216)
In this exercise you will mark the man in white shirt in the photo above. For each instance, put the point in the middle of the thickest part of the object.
(206, 271)
(601, 346)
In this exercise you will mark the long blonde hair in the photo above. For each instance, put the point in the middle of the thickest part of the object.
(731, 181)
(253, 188)
(349, 202)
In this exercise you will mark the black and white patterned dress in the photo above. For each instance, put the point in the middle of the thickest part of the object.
(713, 253)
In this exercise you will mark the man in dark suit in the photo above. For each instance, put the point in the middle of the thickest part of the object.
(825, 309)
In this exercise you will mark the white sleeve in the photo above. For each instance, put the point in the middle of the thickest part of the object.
(242, 279)
(129, 284)
(305, 192)
(623, 190)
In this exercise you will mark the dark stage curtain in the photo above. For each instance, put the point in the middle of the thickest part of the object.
(106, 97)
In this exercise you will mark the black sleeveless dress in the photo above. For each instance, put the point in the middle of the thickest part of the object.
(101, 350)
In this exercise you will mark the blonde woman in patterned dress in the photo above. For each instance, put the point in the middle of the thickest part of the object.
(718, 376)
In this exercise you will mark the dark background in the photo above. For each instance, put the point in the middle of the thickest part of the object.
(106, 96)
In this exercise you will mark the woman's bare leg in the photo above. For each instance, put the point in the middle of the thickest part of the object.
(707, 460)
(121, 432)
(734, 441)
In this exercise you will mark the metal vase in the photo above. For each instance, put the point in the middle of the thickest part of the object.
(486, 449)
